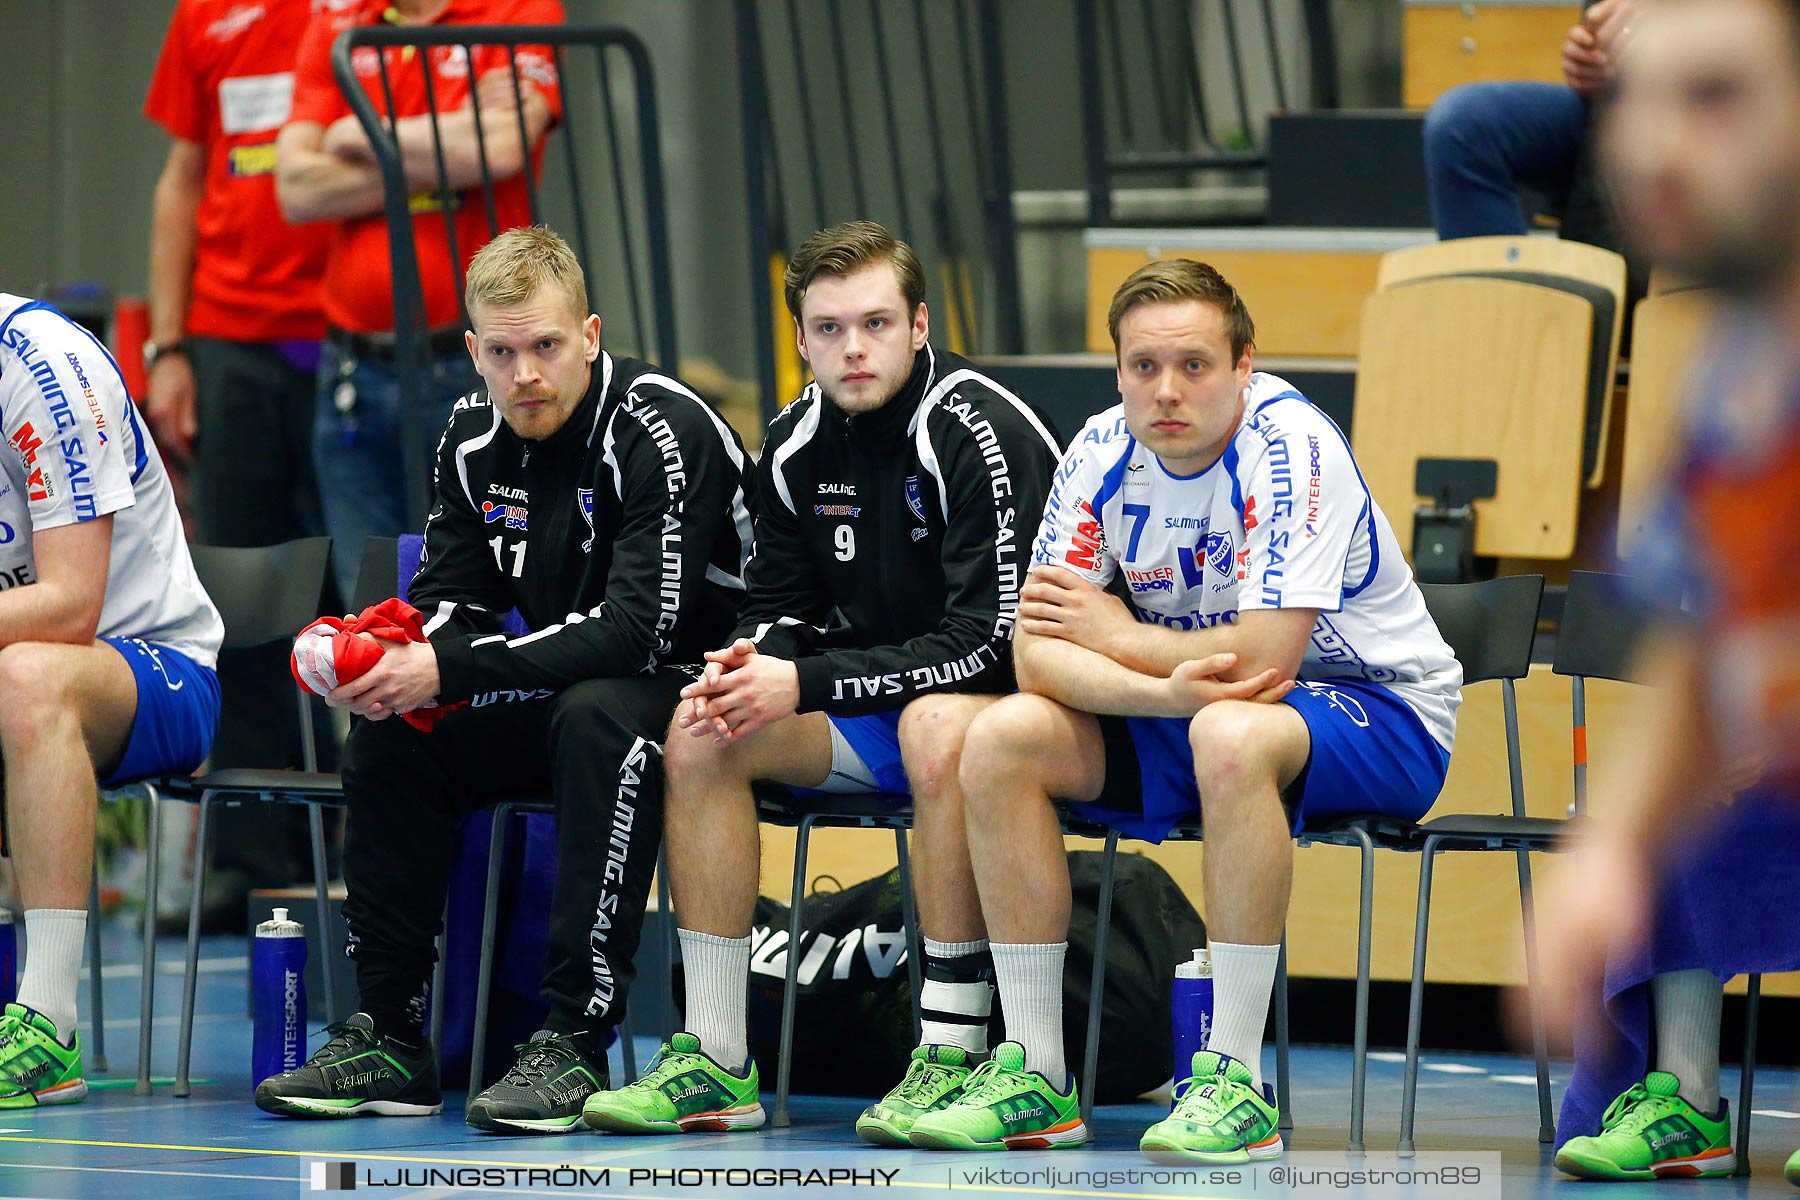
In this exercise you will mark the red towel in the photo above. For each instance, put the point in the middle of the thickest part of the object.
(328, 653)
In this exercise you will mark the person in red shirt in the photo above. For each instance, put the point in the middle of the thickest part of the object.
(235, 327)
(234, 289)
(326, 173)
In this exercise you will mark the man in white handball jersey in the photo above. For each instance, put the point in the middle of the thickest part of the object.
(1275, 669)
(107, 649)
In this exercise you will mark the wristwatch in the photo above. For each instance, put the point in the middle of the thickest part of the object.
(154, 351)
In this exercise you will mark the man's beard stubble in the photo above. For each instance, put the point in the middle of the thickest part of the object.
(1751, 261)
(902, 378)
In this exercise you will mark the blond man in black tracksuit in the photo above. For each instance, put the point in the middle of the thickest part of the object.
(608, 504)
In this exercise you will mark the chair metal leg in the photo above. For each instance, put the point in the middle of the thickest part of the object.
(490, 919)
(96, 1000)
(789, 989)
(915, 937)
(1284, 1112)
(437, 993)
(1752, 1002)
(147, 1001)
(327, 935)
(190, 978)
(1359, 1071)
(1415, 1012)
(1090, 1065)
(1539, 1040)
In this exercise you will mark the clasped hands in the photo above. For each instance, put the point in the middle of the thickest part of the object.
(739, 691)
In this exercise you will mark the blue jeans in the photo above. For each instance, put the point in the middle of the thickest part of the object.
(1482, 140)
(357, 453)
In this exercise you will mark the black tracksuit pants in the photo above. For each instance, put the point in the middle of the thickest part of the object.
(596, 749)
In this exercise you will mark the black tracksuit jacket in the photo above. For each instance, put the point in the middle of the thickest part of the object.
(891, 546)
(620, 538)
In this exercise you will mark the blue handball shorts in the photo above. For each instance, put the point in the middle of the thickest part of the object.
(177, 712)
(865, 759)
(1370, 755)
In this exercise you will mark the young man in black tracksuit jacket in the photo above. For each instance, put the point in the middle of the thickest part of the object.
(890, 549)
(897, 498)
(608, 504)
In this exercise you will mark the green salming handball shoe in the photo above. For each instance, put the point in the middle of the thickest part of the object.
(684, 1091)
(1793, 1169)
(357, 1073)
(35, 1067)
(544, 1091)
(934, 1078)
(1650, 1132)
(1220, 1118)
(1004, 1106)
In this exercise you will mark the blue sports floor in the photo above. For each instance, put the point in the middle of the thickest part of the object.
(215, 1144)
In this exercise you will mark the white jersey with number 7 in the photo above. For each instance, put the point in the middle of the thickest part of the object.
(1281, 520)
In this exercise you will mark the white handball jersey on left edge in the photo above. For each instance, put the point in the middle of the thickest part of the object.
(1281, 520)
(75, 451)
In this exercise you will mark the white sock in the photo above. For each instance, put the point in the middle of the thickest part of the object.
(718, 993)
(1243, 981)
(957, 996)
(1686, 1007)
(1031, 989)
(54, 939)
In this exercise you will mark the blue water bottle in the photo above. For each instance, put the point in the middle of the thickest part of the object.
(278, 997)
(9, 958)
(1193, 1009)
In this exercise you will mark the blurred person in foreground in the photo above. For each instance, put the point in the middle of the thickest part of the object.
(1688, 877)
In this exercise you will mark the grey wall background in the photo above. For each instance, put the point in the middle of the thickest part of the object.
(80, 161)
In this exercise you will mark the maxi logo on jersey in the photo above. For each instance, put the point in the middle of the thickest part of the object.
(1085, 547)
(26, 441)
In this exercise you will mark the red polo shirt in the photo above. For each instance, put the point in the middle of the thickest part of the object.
(225, 80)
(358, 291)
